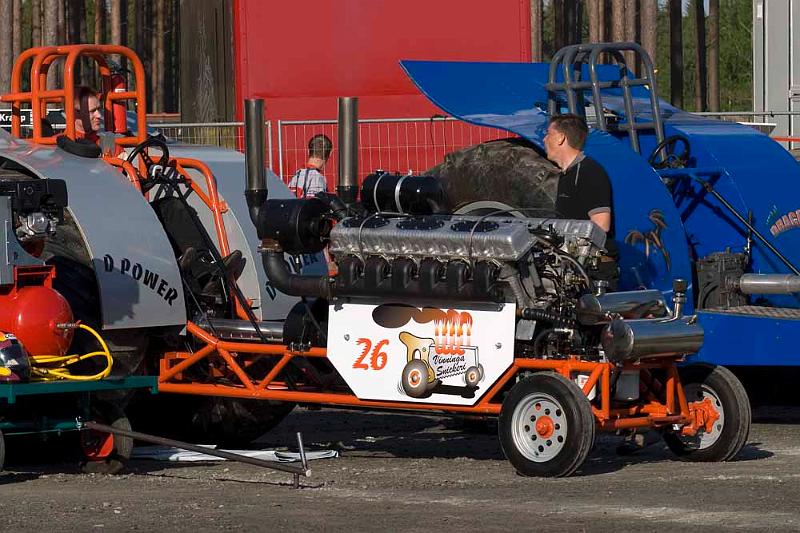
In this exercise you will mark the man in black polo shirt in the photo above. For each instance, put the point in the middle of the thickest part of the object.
(584, 190)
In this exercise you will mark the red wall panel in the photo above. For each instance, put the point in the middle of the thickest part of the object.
(301, 55)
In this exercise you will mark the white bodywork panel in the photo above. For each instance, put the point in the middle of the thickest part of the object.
(371, 343)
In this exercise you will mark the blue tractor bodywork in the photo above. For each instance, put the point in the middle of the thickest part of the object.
(675, 219)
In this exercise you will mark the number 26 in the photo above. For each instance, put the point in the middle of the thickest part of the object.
(377, 359)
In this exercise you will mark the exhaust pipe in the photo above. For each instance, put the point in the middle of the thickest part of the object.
(287, 282)
(593, 310)
(347, 186)
(256, 191)
(241, 330)
(629, 340)
(768, 284)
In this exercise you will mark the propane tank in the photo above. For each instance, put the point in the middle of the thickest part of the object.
(32, 314)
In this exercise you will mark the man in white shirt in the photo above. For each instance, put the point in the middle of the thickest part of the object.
(308, 181)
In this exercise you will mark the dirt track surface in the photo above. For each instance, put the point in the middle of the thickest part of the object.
(400, 472)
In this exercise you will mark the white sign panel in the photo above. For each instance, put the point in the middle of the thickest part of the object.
(426, 354)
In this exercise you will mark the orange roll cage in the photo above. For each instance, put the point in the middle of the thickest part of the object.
(39, 96)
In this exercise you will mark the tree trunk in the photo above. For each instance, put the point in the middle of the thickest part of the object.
(605, 20)
(115, 23)
(713, 55)
(61, 30)
(6, 49)
(649, 25)
(700, 57)
(593, 9)
(147, 51)
(617, 20)
(158, 60)
(36, 23)
(676, 53)
(559, 39)
(170, 55)
(536, 31)
(99, 22)
(50, 34)
(630, 33)
(572, 22)
(76, 32)
(16, 28)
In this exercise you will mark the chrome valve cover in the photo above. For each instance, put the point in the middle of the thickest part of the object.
(455, 237)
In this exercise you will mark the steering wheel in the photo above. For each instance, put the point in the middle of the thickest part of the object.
(670, 158)
(141, 151)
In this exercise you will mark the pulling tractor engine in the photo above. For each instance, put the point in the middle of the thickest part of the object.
(498, 314)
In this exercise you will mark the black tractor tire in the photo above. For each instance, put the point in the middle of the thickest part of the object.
(228, 422)
(546, 426)
(111, 415)
(510, 171)
(235, 422)
(731, 430)
(76, 281)
(2, 451)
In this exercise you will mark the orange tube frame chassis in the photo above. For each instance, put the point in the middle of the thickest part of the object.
(235, 357)
(38, 97)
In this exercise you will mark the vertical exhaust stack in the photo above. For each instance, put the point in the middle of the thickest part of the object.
(256, 191)
(347, 186)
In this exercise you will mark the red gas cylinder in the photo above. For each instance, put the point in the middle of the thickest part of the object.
(119, 84)
(31, 314)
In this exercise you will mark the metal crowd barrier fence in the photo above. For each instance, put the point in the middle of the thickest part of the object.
(222, 134)
(392, 144)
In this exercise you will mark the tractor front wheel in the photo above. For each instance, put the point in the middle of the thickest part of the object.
(729, 431)
(546, 426)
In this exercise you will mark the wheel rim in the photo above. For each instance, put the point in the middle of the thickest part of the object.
(415, 378)
(697, 393)
(539, 427)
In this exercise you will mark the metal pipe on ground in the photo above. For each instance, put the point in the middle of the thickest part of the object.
(347, 186)
(301, 470)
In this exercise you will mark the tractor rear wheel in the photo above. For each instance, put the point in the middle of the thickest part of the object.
(546, 426)
(509, 171)
(75, 280)
(106, 453)
(228, 422)
(729, 433)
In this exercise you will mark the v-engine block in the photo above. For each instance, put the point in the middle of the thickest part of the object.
(460, 237)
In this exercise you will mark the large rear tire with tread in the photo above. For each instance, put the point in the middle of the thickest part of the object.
(730, 431)
(546, 426)
(229, 422)
(510, 171)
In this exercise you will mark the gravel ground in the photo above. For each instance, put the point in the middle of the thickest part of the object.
(402, 472)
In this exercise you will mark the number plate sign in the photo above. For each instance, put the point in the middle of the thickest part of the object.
(425, 354)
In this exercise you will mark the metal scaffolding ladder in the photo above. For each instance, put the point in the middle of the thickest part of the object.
(570, 60)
